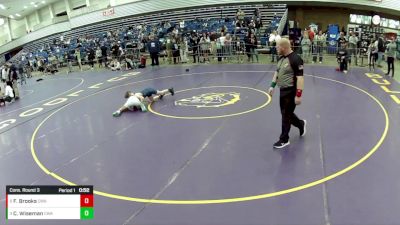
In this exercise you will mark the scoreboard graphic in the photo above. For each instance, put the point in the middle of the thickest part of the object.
(49, 202)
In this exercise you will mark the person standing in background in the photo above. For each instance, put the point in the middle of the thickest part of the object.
(391, 50)
(381, 51)
(319, 43)
(273, 38)
(311, 34)
(104, 55)
(341, 40)
(252, 42)
(78, 57)
(154, 48)
(194, 42)
(305, 46)
(353, 40)
(91, 57)
(342, 57)
(98, 56)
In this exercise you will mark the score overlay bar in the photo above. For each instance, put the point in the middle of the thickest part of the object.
(49, 202)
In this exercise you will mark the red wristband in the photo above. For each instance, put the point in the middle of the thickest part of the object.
(299, 92)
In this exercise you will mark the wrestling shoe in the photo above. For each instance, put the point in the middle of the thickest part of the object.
(116, 114)
(281, 144)
(303, 130)
(172, 91)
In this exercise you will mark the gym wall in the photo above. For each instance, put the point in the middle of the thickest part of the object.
(323, 16)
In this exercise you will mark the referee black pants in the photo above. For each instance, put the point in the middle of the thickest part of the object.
(154, 59)
(287, 110)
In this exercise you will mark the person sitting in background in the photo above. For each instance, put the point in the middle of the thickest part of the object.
(9, 92)
(240, 15)
(2, 101)
(115, 65)
(142, 62)
(129, 63)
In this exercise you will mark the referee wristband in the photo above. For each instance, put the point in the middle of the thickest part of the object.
(299, 92)
(273, 84)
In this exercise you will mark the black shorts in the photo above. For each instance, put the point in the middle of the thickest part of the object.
(148, 92)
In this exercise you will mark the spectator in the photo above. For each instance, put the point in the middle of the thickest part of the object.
(258, 25)
(391, 50)
(342, 57)
(154, 48)
(205, 45)
(8, 92)
(252, 42)
(169, 47)
(353, 40)
(194, 41)
(104, 55)
(227, 19)
(240, 15)
(341, 40)
(318, 46)
(311, 34)
(142, 61)
(175, 51)
(218, 46)
(305, 46)
(381, 51)
(129, 63)
(228, 46)
(78, 57)
(115, 65)
(91, 57)
(184, 50)
(2, 101)
(273, 38)
(115, 50)
(98, 56)
(4, 73)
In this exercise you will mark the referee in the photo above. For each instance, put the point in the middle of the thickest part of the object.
(290, 80)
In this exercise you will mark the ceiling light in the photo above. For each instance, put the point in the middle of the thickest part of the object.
(35, 6)
(2, 6)
(25, 7)
(43, 2)
(32, 3)
(11, 16)
(17, 14)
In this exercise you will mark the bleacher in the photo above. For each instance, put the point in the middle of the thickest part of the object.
(270, 19)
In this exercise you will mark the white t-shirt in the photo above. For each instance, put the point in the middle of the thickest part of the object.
(4, 74)
(275, 38)
(222, 40)
(131, 102)
(118, 65)
(9, 91)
